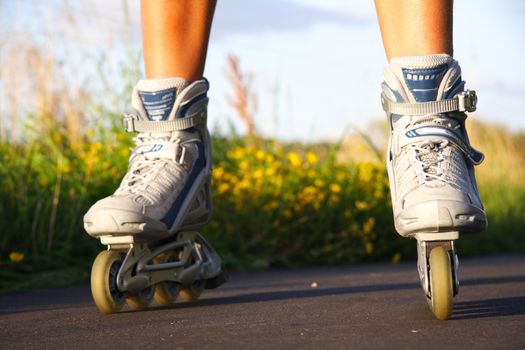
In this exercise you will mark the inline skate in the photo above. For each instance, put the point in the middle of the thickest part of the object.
(431, 167)
(149, 223)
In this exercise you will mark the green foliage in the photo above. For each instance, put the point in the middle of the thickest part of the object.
(274, 204)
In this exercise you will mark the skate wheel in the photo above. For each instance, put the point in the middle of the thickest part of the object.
(192, 292)
(141, 299)
(441, 283)
(166, 293)
(107, 297)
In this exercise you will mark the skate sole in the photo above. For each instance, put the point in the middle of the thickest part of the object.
(440, 216)
(100, 222)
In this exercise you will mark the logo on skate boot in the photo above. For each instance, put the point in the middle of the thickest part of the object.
(148, 149)
(424, 83)
(158, 104)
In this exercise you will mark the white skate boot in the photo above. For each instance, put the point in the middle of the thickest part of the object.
(165, 192)
(430, 166)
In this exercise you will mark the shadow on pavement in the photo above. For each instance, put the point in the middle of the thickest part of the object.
(491, 280)
(66, 298)
(489, 308)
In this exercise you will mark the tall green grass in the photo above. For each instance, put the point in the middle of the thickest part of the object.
(275, 204)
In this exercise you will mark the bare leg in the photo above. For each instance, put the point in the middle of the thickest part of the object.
(175, 37)
(415, 27)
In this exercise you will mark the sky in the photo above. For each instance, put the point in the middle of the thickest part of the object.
(317, 64)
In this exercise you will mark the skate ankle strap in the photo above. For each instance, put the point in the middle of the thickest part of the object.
(133, 124)
(465, 101)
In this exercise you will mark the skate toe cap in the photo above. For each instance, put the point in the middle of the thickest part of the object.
(440, 216)
(119, 215)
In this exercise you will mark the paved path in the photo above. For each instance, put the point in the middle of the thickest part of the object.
(376, 306)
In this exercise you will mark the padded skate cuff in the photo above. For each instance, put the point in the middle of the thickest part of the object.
(463, 102)
(133, 124)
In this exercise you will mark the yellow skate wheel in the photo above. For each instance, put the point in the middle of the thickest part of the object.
(192, 292)
(441, 283)
(141, 299)
(104, 282)
(166, 292)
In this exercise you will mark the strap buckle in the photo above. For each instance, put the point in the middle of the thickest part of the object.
(129, 122)
(467, 101)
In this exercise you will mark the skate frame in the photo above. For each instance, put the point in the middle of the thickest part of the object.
(198, 261)
(423, 266)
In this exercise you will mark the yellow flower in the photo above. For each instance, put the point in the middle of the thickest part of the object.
(258, 174)
(341, 176)
(223, 188)
(57, 138)
(218, 172)
(396, 258)
(368, 226)
(120, 137)
(334, 198)
(16, 257)
(362, 205)
(259, 155)
(335, 188)
(310, 190)
(312, 158)
(294, 159)
(366, 172)
(369, 247)
(319, 183)
(243, 165)
(97, 146)
(236, 153)
(75, 147)
(90, 133)
(270, 171)
(272, 205)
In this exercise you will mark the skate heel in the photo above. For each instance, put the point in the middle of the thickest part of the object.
(436, 236)
(217, 281)
(136, 273)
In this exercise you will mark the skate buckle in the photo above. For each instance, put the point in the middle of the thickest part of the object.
(129, 122)
(467, 101)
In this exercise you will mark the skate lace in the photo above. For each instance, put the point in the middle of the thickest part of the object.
(429, 155)
(151, 177)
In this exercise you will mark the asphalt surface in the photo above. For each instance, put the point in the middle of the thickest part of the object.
(376, 306)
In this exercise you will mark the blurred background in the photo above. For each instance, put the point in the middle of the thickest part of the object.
(294, 85)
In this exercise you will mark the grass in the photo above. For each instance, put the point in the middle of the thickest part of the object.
(274, 204)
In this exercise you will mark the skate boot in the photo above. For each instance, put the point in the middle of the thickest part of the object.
(431, 167)
(147, 223)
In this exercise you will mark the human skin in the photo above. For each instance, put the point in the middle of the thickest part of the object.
(175, 34)
(175, 37)
(415, 27)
